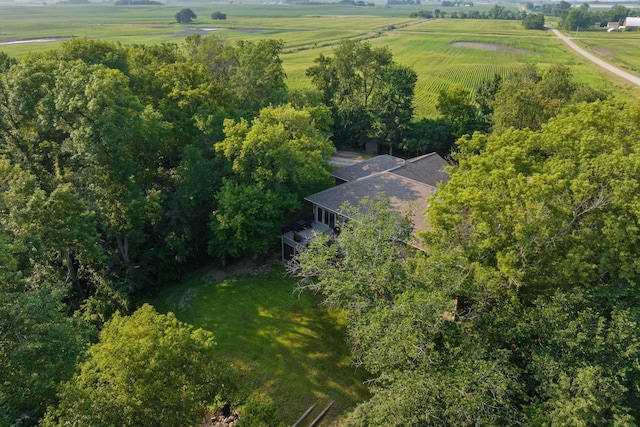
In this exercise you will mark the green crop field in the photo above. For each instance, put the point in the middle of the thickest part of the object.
(431, 47)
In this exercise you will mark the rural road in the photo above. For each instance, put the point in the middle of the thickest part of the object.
(633, 79)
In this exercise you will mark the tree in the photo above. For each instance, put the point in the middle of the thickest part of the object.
(562, 184)
(185, 16)
(428, 135)
(258, 79)
(146, 369)
(579, 370)
(217, 15)
(484, 97)
(392, 106)
(533, 21)
(427, 368)
(577, 19)
(352, 81)
(275, 161)
(247, 217)
(528, 98)
(247, 75)
(457, 108)
(560, 8)
(39, 346)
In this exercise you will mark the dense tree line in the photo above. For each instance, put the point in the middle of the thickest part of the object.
(526, 98)
(522, 310)
(111, 182)
(581, 18)
(121, 166)
(370, 95)
(496, 12)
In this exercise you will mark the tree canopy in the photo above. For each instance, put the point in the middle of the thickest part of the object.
(366, 91)
(146, 369)
(121, 166)
(275, 161)
(522, 308)
(185, 16)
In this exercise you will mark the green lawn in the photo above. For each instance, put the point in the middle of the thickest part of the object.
(284, 344)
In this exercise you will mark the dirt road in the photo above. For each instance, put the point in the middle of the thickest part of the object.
(633, 79)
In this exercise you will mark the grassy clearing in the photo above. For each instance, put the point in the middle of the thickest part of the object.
(284, 344)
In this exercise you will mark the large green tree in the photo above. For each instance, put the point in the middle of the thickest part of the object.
(457, 108)
(427, 368)
(275, 161)
(185, 16)
(531, 95)
(146, 369)
(248, 74)
(363, 85)
(522, 309)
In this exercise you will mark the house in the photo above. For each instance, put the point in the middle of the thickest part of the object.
(631, 23)
(407, 183)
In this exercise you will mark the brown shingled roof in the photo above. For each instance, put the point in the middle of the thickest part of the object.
(408, 185)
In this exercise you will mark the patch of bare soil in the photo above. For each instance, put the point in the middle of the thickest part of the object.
(492, 46)
(606, 53)
(247, 265)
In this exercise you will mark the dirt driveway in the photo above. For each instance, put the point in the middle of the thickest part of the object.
(617, 71)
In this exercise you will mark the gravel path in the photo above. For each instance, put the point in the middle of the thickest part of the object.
(631, 78)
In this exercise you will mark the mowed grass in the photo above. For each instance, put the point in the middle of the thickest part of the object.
(285, 345)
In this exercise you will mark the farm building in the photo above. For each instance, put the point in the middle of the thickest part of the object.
(631, 23)
(408, 184)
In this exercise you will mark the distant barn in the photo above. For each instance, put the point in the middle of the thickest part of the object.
(631, 23)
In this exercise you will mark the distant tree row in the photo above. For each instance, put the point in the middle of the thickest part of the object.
(403, 2)
(137, 3)
(186, 15)
(496, 12)
(356, 3)
(581, 17)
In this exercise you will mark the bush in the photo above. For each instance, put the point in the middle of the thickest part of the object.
(219, 15)
(259, 411)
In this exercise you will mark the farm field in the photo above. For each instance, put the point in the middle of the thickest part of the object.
(620, 49)
(283, 343)
(431, 47)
